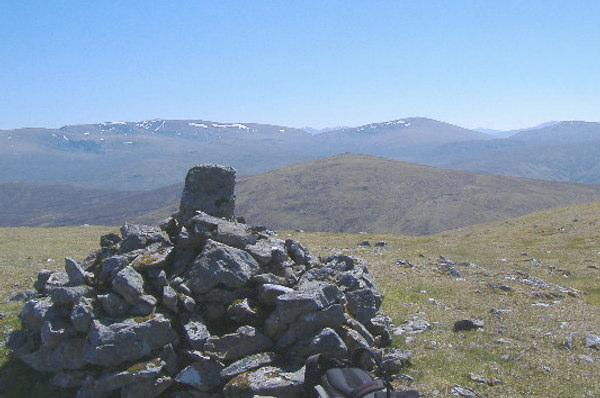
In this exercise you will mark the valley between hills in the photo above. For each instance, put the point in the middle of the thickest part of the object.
(344, 193)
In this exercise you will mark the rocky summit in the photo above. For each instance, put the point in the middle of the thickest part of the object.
(201, 306)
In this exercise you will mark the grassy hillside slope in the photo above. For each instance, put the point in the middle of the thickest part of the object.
(61, 205)
(354, 193)
(533, 280)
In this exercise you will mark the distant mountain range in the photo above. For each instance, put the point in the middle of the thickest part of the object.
(343, 193)
(151, 154)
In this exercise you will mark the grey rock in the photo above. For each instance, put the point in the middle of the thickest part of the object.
(363, 304)
(196, 332)
(144, 306)
(210, 189)
(81, 315)
(113, 304)
(70, 378)
(587, 359)
(169, 356)
(592, 341)
(129, 340)
(393, 360)
(306, 325)
(48, 279)
(147, 387)
(242, 313)
(136, 375)
(379, 324)
(290, 306)
(464, 392)
(184, 289)
(110, 266)
(268, 250)
(245, 341)
(180, 258)
(158, 277)
(35, 312)
(266, 381)
(67, 295)
(500, 286)
(110, 239)
(225, 296)
(56, 331)
(65, 355)
(361, 329)
(352, 338)
(203, 226)
(23, 295)
(152, 257)
(248, 363)
(468, 324)
(129, 284)
(77, 276)
(169, 298)
(412, 327)
(327, 342)
(568, 343)
(268, 278)
(219, 264)
(188, 303)
(268, 293)
(139, 236)
(298, 253)
(203, 375)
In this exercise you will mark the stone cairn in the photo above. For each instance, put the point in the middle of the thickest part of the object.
(202, 306)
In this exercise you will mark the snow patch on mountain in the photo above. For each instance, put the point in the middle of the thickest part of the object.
(201, 125)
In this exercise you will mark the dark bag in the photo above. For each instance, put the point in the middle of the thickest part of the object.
(326, 377)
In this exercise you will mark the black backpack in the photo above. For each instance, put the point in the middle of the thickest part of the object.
(327, 377)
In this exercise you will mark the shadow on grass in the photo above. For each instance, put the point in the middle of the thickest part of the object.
(18, 381)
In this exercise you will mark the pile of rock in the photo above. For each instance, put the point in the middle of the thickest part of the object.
(203, 306)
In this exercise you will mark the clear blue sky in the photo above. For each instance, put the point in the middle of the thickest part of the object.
(481, 63)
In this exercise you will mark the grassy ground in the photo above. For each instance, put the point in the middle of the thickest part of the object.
(521, 346)
(550, 261)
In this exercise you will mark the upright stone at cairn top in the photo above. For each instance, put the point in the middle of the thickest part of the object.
(208, 188)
